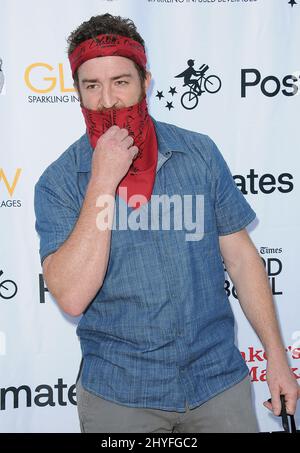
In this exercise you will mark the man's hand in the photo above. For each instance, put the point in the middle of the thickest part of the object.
(281, 381)
(113, 156)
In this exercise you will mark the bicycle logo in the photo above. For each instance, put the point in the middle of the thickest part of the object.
(8, 288)
(198, 85)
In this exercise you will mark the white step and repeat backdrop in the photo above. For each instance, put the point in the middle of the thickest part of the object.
(251, 110)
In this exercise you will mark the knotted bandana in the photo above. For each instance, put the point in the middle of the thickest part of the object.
(141, 175)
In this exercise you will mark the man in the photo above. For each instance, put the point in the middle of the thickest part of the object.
(157, 331)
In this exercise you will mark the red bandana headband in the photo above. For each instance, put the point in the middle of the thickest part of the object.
(107, 45)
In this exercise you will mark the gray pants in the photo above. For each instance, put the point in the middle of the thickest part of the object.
(229, 412)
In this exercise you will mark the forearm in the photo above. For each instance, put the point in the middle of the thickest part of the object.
(246, 270)
(255, 297)
(76, 270)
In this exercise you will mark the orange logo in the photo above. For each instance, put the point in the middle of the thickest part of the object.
(10, 187)
(37, 82)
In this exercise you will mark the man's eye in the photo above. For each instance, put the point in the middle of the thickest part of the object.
(121, 82)
(92, 86)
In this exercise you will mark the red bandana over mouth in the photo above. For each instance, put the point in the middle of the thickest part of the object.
(140, 177)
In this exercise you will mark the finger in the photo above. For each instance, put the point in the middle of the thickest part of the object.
(290, 403)
(267, 405)
(128, 136)
(112, 130)
(134, 151)
(128, 141)
(122, 133)
(276, 403)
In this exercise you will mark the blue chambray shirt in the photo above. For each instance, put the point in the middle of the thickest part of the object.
(160, 331)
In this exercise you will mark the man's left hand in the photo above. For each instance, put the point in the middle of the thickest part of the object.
(281, 381)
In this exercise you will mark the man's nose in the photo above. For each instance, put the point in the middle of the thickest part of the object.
(108, 99)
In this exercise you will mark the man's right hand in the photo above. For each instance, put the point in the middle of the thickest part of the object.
(113, 156)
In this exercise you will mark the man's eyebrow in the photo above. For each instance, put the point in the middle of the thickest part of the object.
(90, 80)
(112, 78)
(121, 76)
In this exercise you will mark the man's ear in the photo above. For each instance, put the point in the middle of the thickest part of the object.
(76, 88)
(148, 80)
(75, 85)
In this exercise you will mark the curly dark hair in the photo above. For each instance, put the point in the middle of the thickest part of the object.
(105, 24)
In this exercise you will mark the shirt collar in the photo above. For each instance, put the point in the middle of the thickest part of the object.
(167, 144)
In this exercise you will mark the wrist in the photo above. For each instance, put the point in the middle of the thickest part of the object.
(276, 354)
(104, 186)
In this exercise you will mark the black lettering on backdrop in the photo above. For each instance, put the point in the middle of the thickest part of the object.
(266, 183)
(270, 85)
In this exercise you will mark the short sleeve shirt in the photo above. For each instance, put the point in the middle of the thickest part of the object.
(160, 331)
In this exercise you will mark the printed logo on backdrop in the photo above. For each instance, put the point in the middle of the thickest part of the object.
(254, 82)
(42, 289)
(49, 84)
(256, 360)
(207, 3)
(273, 265)
(292, 3)
(8, 288)
(2, 78)
(196, 83)
(60, 394)
(267, 183)
(7, 187)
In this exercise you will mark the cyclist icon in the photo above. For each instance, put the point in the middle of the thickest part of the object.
(10, 288)
(212, 84)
